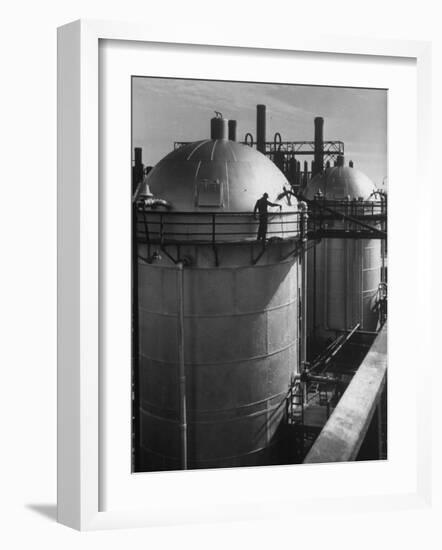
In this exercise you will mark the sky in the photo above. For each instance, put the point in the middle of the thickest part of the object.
(167, 110)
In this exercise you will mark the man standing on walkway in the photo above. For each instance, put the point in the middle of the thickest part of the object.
(261, 207)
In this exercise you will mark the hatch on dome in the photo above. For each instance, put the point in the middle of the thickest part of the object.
(209, 193)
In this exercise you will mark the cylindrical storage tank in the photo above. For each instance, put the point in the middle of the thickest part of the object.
(343, 274)
(234, 321)
(240, 350)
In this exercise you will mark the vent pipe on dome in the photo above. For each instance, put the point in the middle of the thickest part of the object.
(319, 146)
(261, 128)
(340, 160)
(219, 127)
(232, 130)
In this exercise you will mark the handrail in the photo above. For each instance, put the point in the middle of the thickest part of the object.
(170, 225)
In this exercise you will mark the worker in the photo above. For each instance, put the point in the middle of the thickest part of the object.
(261, 207)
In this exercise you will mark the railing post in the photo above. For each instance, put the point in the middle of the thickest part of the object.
(146, 231)
(182, 366)
(161, 230)
(215, 250)
(213, 228)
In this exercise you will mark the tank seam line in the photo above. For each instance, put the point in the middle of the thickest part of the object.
(259, 449)
(253, 403)
(222, 268)
(219, 315)
(217, 363)
(213, 150)
(233, 154)
(214, 421)
(197, 147)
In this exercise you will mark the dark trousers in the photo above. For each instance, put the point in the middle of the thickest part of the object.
(262, 229)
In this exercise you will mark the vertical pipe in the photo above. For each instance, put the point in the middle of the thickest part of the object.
(360, 248)
(181, 365)
(304, 303)
(232, 130)
(383, 199)
(347, 297)
(315, 290)
(261, 128)
(305, 176)
(325, 282)
(135, 350)
(303, 340)
(319, 146)
(383, 279)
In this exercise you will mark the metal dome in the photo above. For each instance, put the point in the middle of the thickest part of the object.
(216, 175)
(340, 182)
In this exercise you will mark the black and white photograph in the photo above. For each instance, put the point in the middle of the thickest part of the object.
(259, 295)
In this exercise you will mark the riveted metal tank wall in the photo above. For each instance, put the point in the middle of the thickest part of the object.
(343, 279)
(240, 350)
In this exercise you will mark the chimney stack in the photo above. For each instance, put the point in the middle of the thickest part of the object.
(261, 128)
(138, 159)
(232, 130)
(319, 146)
(138, 169)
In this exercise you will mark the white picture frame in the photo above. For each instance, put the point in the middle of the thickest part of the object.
(79, 273)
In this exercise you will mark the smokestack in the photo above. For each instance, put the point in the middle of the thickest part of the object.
(261, 128)
(219, 127)
(138, 158)
(232, 130)
(319, 145)
(137, 170)
(340, 160)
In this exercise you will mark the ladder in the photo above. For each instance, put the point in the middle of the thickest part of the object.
(296, 403)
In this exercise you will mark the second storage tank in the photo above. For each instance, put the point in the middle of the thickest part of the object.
(343, 273)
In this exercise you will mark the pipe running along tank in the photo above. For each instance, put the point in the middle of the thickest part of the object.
(218, 312)
(343, 274)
